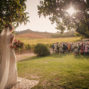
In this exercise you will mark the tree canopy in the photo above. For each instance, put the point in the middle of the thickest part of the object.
(12, 12)
(57, 12)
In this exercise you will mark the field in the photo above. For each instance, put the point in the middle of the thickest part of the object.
(57, 71)
(48, 40)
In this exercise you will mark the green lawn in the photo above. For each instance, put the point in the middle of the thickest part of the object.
(57, 71)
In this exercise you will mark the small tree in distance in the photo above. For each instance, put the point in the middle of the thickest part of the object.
(41, 50)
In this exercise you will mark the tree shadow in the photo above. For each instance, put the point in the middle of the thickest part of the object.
(81, 82)
(29, 58)
(33, 58)
(82, 56)
(59, 55)
(38, 58)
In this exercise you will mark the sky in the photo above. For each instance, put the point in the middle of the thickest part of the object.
(36, 23)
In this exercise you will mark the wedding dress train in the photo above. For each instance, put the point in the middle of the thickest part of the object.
(8, 72)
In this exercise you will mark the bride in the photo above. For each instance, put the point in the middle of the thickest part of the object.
(8, 71)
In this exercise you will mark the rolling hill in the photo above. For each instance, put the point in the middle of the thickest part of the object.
(33, 34)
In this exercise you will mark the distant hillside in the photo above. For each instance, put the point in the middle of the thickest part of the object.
(66, 34)
(33, 34)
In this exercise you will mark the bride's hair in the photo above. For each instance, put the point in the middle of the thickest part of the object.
(9, 26)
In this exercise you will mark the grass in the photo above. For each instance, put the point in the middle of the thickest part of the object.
(48, 40)
(57, 71)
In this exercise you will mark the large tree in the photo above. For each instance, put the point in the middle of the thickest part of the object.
(12, 12)
(57, 12)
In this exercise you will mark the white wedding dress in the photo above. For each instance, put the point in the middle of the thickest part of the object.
(8, 71)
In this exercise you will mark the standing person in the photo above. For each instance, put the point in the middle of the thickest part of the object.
(76, 49)
(69, 47)
(53, 47)
(8, 71)
(12, 79)
(79, 48)
(64, 48)
(61, 48)
(82, 48)
(86, 49)
(57, 47)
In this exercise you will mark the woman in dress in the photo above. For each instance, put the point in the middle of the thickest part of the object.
(8, 71)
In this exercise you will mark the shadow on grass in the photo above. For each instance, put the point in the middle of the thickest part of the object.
(78, 83)
(37, 57)
(65, 84)
(67, 54)
(56, 56)
(69, 82)
(82, 56)
(33, 58)
(29, 58)
(59, 55)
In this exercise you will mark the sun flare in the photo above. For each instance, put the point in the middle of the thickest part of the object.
(71, 11)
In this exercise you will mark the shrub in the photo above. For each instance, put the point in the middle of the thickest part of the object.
(41, 50)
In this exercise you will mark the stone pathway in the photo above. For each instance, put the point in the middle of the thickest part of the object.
(25, 84)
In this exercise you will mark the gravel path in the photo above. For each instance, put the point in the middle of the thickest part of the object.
(25, 84)
(20, 57)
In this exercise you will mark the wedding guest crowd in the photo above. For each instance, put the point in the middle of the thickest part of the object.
(69, 47)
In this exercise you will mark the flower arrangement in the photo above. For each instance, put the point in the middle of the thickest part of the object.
(18, 44)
